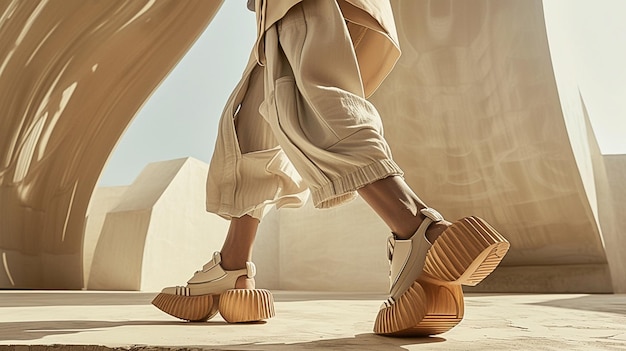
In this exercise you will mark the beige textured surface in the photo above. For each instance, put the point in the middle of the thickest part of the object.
(103, 200)
(339, 249)
(158, 233)
(310, 321)
(611, 207)
(73, 75)
(484, 130)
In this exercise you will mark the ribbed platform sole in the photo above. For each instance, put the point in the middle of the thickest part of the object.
(191, 308)
(467, 252)
(246, 305)
(445, 309)
(235, 306)
(404, 314)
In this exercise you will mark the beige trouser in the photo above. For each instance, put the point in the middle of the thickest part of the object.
(301, 121)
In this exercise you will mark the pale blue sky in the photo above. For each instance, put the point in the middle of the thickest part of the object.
(181, 117)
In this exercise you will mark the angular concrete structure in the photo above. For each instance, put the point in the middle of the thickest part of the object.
(480, 112)
(103, 201)
(158, 233)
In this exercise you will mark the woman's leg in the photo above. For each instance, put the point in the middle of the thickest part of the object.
(237, 248)
(398, 206)
(316, 107)
(248, 170)
(331, 133)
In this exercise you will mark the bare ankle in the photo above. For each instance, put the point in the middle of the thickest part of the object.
(435, 230)
(432, 233)
(233, 259)
(408, 228)
(232, 265)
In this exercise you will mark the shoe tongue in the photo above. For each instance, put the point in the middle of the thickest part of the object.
(217, 259)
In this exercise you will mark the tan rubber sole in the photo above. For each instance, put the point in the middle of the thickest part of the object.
(404, 314)
(445, 309)
(467, 252)
(190, 308)
(246, 305)
(235, 306)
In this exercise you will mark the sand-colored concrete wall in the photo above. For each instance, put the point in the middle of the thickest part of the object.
(485, 132)
(158, 233)
(103, 201)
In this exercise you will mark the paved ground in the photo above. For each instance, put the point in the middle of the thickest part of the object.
(306, 321)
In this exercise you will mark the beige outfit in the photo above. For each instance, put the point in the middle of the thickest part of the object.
(298, 118)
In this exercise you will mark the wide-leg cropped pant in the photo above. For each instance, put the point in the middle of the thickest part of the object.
(299, 122)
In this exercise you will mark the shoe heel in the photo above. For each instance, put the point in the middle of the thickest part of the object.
(445, 309)
(246, 305)
(191, 308)
(399, 318)
(467, 252)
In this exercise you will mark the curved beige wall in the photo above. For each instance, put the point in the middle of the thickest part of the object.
(73, 73)
(482, 126)
(484, 132)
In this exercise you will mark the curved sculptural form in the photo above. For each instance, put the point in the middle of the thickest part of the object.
(73, 74)
(490, 128)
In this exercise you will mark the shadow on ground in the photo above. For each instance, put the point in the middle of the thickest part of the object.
(358, 342)
(71, 298)
(597, 303)
(40, 329)
(90, 298)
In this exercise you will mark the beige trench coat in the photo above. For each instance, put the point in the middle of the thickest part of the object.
(378, 49)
